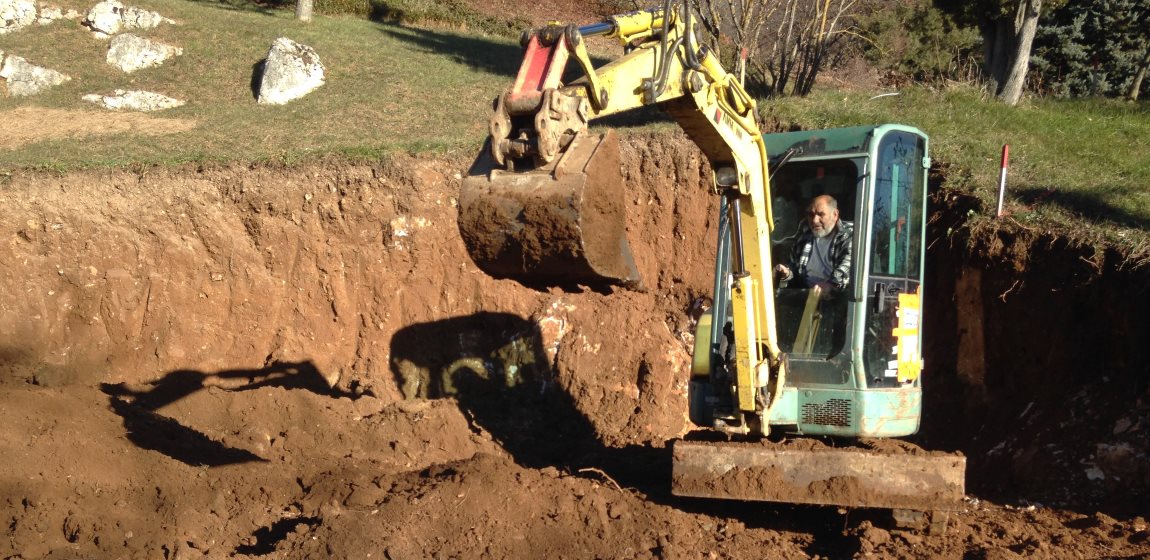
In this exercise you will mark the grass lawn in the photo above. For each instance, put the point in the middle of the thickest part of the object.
(388, 88)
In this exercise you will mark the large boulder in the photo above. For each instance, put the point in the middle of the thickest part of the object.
(111, 17)
(130, 52)
(27, 79)
(15, 14)
(133, 100)
(290, 72)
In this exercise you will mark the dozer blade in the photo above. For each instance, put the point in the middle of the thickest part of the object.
(831, 476)
(560, 224)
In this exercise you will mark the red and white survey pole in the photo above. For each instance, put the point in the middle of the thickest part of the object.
(1002, 177)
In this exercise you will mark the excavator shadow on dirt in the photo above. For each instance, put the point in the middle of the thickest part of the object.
(495, 367)
(137, 405)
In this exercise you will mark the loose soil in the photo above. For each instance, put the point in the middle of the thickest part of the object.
(303, 362)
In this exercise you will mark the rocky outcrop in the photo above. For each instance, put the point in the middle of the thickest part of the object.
(24, 78)
(15, 14)
(131, 53)
(133, 100)
(49, 13)
(111, 17)
(290, 72)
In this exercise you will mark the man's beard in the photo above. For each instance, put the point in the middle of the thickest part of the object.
(820, 233)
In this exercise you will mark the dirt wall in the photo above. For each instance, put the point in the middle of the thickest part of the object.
(126, 276)
(1038, 367)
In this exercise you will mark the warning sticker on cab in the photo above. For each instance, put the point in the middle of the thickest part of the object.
(907, 351)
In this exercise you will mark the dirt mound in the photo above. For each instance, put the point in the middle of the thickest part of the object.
(265, 361)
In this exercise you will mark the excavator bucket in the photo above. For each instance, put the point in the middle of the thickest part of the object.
(846, 477)
(559, 224)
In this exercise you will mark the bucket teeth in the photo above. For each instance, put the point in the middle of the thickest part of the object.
(560, 224)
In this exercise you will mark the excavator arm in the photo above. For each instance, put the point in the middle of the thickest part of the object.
(543, 204)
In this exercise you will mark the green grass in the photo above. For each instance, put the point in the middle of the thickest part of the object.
(388, 88)
(1072, 163)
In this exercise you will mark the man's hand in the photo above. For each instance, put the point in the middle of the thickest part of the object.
(824, 289)
(782, 270)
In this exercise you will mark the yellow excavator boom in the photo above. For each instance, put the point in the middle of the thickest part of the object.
(544, 203)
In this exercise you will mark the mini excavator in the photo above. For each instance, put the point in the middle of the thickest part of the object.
(543, 204)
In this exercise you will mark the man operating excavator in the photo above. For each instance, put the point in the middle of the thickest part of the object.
(821, 255)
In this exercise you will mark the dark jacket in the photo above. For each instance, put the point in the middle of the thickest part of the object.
(840, 255)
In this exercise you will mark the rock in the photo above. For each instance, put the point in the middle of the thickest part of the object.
(290, 72)
(15, 14)
(1118, 460)
(49, 13)
(872, 537)
(111, 17)
(1122, 425)
(130, 52)
(134, 100)
(27, 79)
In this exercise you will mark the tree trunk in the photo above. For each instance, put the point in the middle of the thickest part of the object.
(303, 9)
(1136, 83)
(1025, 25)
(996, 40)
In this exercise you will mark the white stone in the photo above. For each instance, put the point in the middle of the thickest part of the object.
(290, 72)
(49, 13)
(130, 52)
(133, 100)
(111, 17)
(28, 79)
(104, 18)
(15, 14)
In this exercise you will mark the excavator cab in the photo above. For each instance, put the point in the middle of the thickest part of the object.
(853, 355)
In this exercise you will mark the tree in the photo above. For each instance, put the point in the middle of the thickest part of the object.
(1007, 28)
(738, 25)
(1095, 47)
(303, 9)
(1061, 59)
(1139, 76)
(913, 40)
(786, 42)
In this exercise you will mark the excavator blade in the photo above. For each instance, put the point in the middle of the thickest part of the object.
(830, 476)
(559, 224)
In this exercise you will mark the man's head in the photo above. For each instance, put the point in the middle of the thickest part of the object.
(823, 215)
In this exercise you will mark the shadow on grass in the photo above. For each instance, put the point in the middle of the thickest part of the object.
(150, 430)
(266, 7)
(504, 59)
(478, 53)
(1097, 204)
(258, 77)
